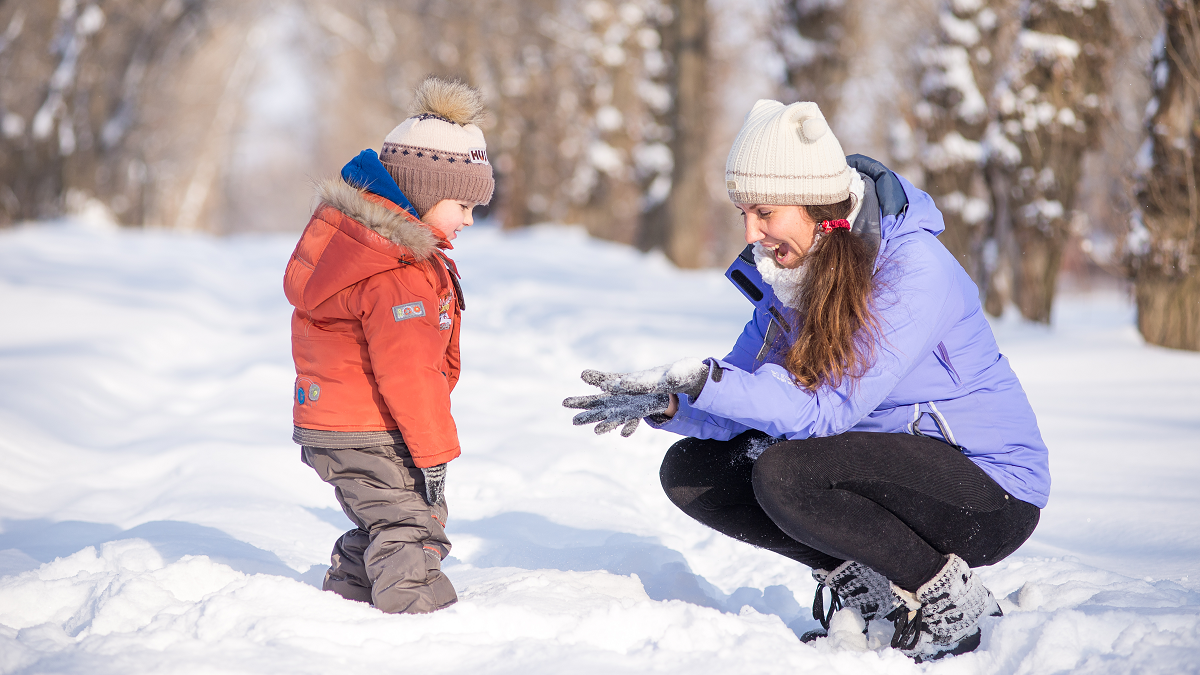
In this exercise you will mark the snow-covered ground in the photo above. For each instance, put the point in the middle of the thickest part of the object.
(155, 517)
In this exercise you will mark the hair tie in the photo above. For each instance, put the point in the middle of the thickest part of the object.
(828, 226)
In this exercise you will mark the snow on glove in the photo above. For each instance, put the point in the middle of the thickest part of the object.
(685, 376)
(435, 484)
(629, 397)
(615, 410)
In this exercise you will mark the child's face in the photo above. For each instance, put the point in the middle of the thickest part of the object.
(449, 217)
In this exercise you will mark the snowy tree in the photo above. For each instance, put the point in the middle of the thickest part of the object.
(1163, 245)
(811, 35)
(578, 94)
(678, 224)
(973, 41)
(76, 77)
(622, 163)
(1050, 108)
(536, 98)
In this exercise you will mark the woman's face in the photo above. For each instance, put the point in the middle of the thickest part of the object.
(786, 231)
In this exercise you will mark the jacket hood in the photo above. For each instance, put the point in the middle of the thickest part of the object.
(921, 214)
(357, 231)
(367, 172)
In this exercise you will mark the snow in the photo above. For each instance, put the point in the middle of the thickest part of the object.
(950, 68)
(155, 517)
(605, 157)
(996, 144)
(972, 209)
(962, 31)
(1047, 46)
(1043, 210)
(12, 125)
(953, 150)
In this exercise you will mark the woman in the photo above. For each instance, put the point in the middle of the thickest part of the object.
(865, 423)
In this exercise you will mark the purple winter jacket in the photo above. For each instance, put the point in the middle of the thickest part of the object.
(938, 370)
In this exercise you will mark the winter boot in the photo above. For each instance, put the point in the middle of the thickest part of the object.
(855, 585)
(942, 617)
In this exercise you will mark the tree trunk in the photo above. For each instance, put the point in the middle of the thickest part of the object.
(680, 226)
(1169, 310)
(1164, 245)
(960, 72)
(74, 80)
(811, 35)
(1041, 253)
(1050, 113)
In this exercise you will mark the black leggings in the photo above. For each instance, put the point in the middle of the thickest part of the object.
(893, 502)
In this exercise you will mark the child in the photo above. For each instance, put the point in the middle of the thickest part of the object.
(375, 341)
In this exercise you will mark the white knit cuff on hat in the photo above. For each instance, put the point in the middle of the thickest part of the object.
(787, 155)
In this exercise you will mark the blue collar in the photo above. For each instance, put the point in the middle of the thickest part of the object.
(366, 172)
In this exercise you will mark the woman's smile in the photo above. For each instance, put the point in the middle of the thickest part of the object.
(787, 231)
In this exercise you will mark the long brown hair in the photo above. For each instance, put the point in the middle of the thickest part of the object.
(836, 339)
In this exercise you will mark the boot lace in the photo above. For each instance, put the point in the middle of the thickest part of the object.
(819, 612)
(908, 628)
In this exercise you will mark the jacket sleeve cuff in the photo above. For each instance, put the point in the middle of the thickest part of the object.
(767, 400)
(688, 421)
(424, 461)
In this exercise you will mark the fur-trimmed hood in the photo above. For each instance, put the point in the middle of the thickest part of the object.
(353, 234)
(397, 226)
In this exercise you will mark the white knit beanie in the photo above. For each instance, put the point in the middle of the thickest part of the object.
(786, 155)
(439, 153)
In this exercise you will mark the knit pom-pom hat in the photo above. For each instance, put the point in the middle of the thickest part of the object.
(439, 152)
(786, 155)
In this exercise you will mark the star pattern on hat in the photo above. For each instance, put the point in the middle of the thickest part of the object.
(431, 116)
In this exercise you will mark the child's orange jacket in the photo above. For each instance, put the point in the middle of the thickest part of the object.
(376, 325)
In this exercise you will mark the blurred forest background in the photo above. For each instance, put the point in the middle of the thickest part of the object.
(1059, 137)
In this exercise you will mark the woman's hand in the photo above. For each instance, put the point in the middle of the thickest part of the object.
(629, 397)
(617, 410)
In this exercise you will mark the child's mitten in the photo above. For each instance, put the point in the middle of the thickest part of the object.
(435, 484)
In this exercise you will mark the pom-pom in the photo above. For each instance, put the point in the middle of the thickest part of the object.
(452, 101)
(813, 128)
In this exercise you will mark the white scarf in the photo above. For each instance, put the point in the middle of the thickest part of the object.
(786, 282)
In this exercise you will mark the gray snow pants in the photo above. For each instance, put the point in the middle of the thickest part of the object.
(393, 558)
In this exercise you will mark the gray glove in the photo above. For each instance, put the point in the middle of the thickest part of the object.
(615, 410)
(435, 484)
(629, 397)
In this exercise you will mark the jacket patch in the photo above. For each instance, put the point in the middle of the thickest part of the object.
(411, 310)
(307, 391)
(444, 304)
